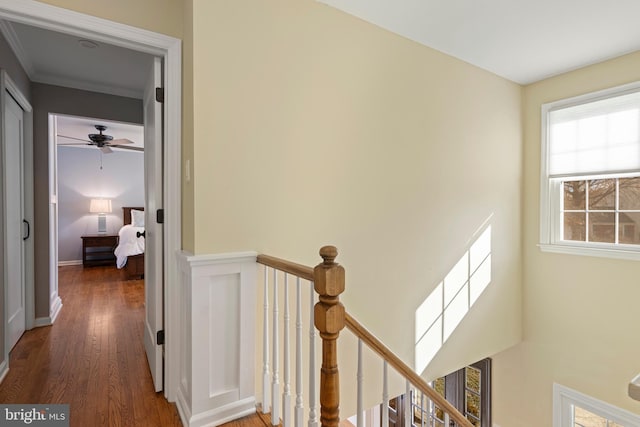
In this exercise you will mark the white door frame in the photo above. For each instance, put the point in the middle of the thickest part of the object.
(7, 86)
(169, 48)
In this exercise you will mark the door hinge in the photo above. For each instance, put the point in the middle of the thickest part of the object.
(160, 94)
(160, 337)
(160, 216)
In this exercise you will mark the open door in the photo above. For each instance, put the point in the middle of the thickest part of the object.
(153, 268)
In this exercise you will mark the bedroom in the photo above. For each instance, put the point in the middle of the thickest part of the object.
(90, 176)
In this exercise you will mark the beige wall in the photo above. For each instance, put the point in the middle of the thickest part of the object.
(161, 16)
(313, 127)
(188, 235)
(580, 313)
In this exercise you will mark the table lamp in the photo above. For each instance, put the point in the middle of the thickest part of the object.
(101, 207)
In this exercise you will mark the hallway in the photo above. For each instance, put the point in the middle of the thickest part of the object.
(93, 357)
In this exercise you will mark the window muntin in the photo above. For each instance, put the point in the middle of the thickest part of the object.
(590, 174)
(602, 210)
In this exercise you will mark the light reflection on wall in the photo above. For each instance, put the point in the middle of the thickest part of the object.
(443, 310)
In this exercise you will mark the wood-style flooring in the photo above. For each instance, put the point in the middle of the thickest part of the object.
(254, 420)
(93, 357)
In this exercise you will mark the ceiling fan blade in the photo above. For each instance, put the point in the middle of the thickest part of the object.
(86, 141)
(73, 143)
(106, 150)
(124, 147)
(121, 141)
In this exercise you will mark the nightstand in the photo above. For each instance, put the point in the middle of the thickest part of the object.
(97, 249)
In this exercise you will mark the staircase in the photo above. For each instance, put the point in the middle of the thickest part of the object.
(328, 316)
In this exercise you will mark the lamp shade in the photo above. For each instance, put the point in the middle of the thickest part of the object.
(100, 206)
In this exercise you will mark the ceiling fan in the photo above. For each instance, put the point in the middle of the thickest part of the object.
(102, 141)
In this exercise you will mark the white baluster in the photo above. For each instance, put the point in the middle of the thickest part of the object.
(299, 411)
(432, 412)
(408, 409)
(424, 410)
(286, 397)
(275, 385)
(446, 419)
(385, 395)
(313, 416)
(360, 382)
(265, 346)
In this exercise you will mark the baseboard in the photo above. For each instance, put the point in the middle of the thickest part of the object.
(224, 414)
(56, 306)
(42, 321)
(72, 262)
(4, 370)
(183, 408)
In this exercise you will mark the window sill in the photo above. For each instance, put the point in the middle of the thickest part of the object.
(560, 248)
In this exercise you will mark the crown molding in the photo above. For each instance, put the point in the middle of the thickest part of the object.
(66, 21)
(74, 83)
(16, 46)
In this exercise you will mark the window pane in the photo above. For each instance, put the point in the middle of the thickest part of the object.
(575, 226)
(474, 422)
(602, 194)
(472, 403)
(575, 195)
(392, 403)
(438, 385)
(602, 227)
(630, 193)
(629, 230)
(439, 413)
(472, 378)
(584, 418)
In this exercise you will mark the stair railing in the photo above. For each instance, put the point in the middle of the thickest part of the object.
(329, 317)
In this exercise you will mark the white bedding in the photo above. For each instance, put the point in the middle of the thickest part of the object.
(128, 244)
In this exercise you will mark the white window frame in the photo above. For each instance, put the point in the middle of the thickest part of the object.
(565, 398)
(551, 191)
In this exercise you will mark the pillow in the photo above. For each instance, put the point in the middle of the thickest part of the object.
(137, 218)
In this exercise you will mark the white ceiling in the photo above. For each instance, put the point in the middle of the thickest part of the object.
(81, 127)
(521, 40)
(59, 59)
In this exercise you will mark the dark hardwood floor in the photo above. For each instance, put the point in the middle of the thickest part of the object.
(92, 357)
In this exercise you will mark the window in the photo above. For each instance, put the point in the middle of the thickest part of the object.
(590, 174)
(574, 409)
(584, 418)
(467, 389)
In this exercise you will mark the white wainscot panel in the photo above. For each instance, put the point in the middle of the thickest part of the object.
(218, 338)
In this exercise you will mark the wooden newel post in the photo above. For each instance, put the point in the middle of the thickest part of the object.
(329, 320)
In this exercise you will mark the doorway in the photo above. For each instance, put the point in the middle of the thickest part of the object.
(169, 49)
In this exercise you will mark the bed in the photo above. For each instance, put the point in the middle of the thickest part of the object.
(130, 250)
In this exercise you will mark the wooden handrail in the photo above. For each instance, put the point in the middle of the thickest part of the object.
(329, 319)
(299, 270)
(383, 351)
